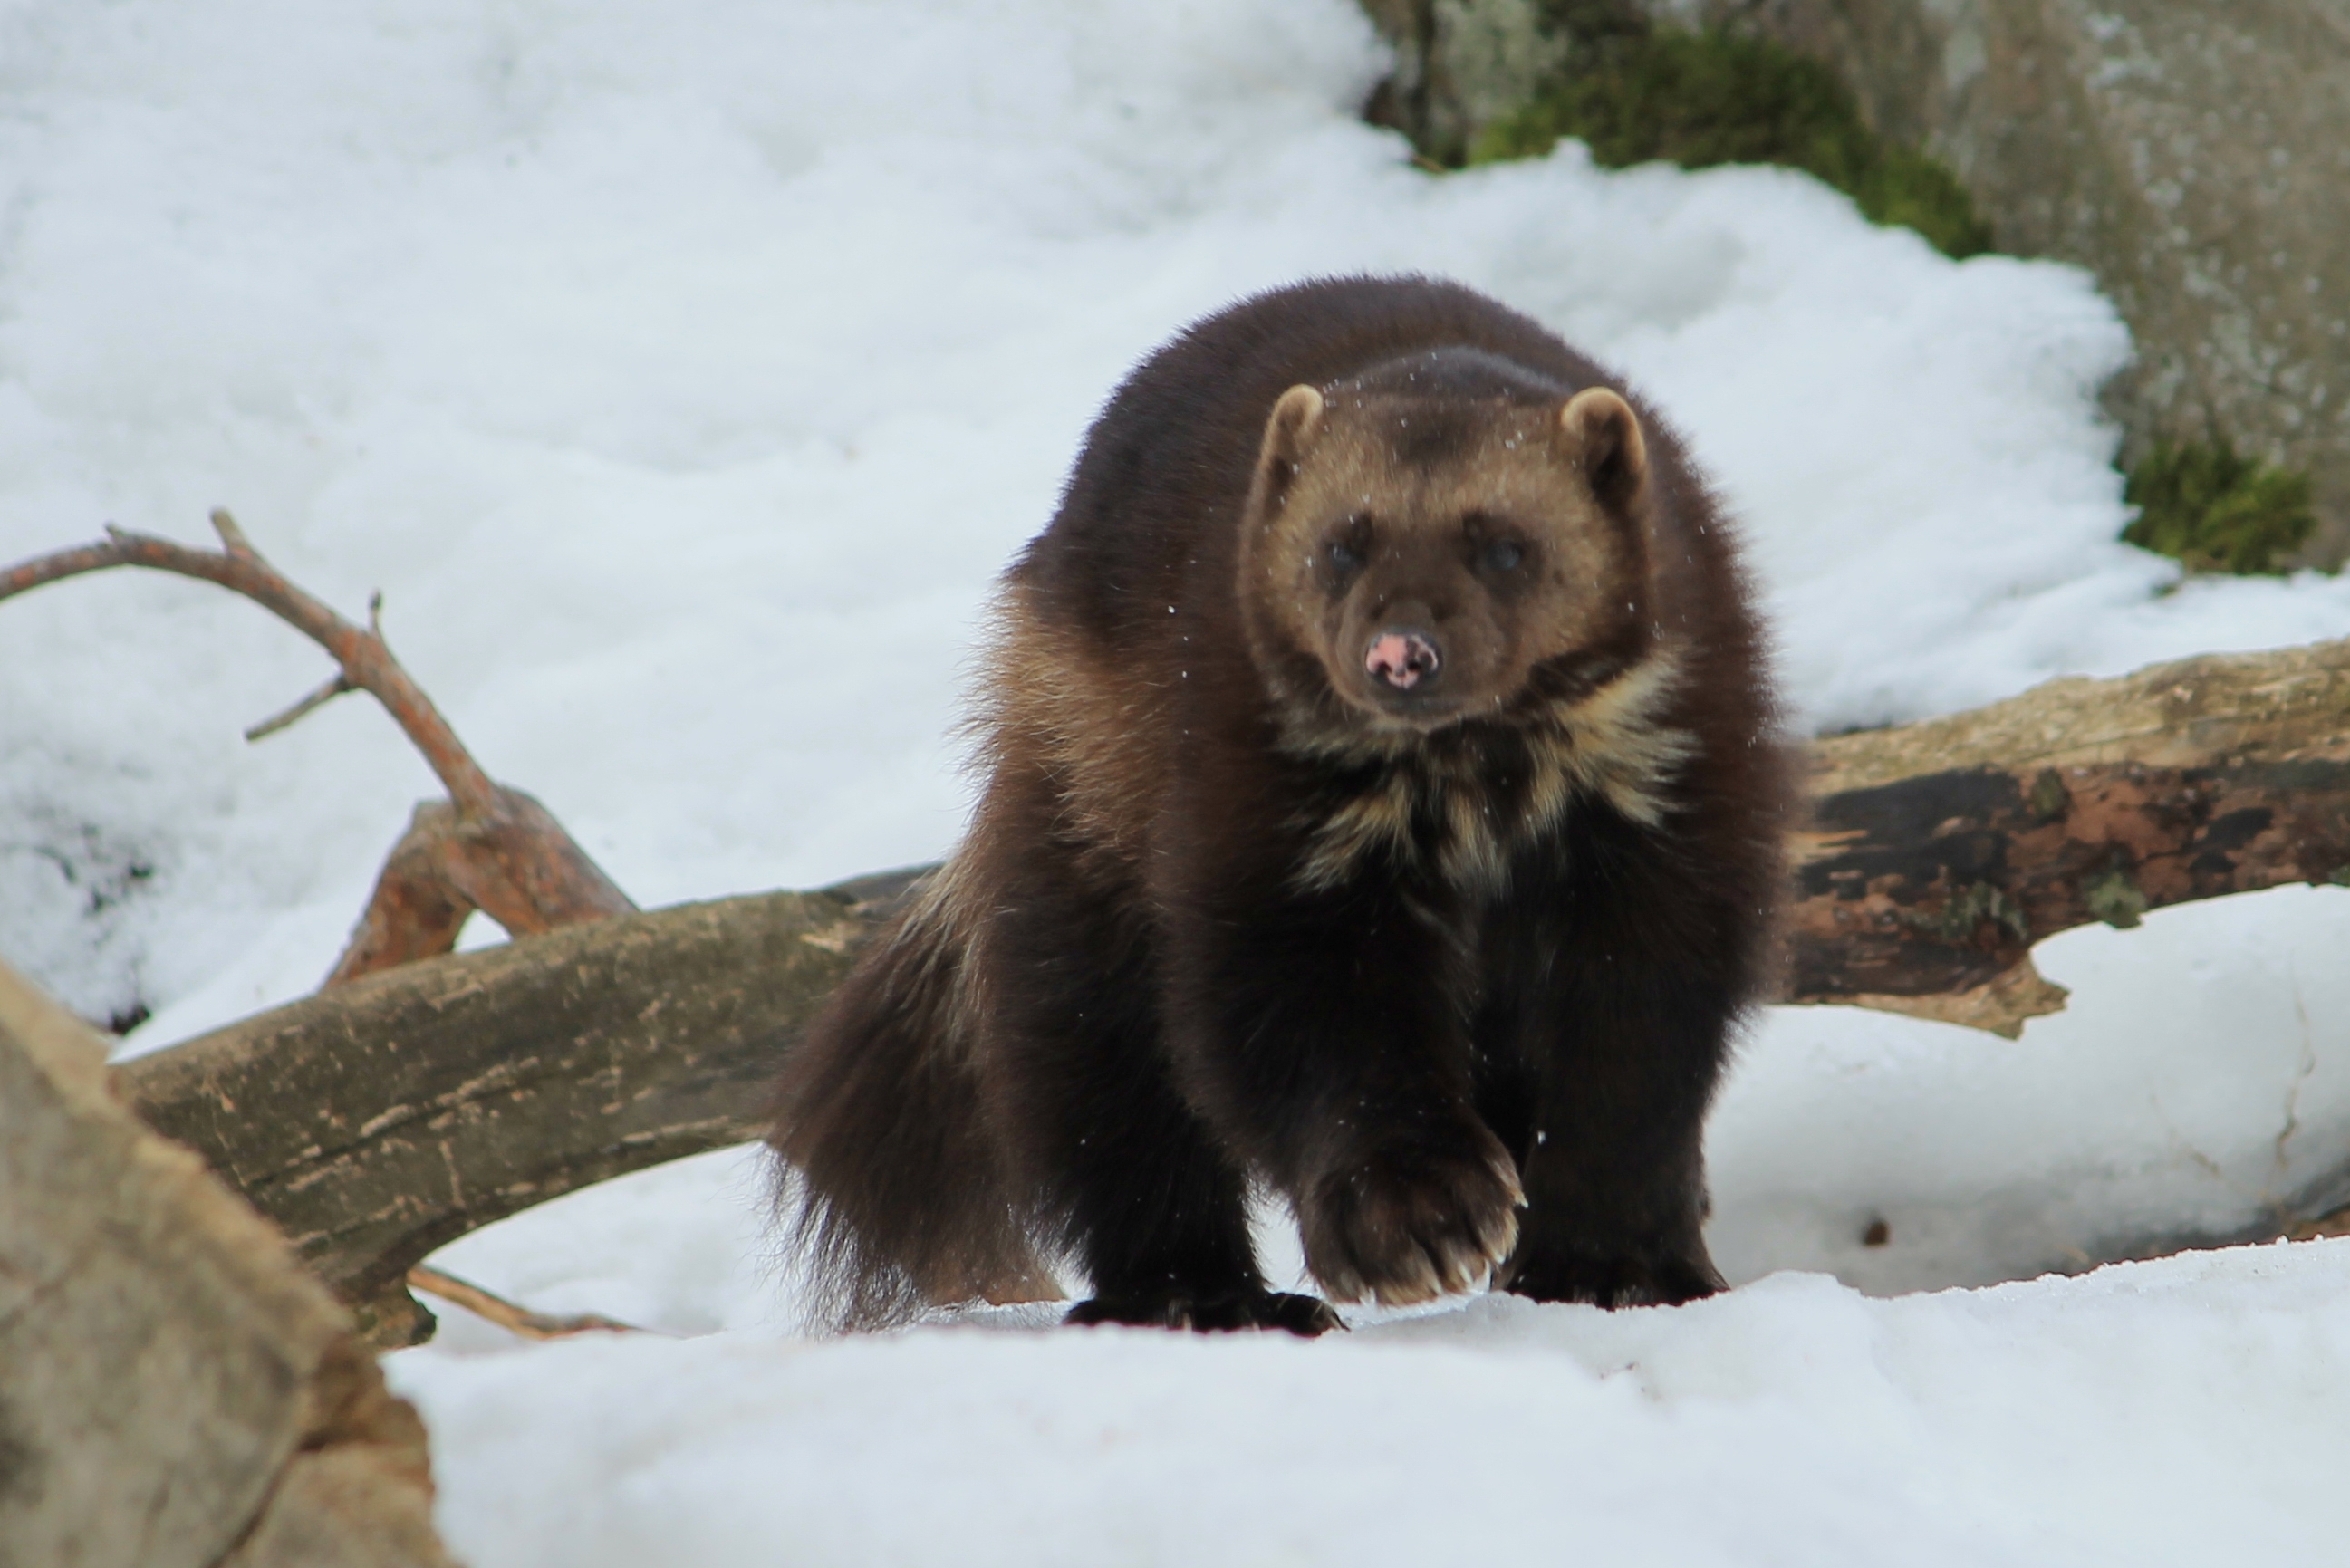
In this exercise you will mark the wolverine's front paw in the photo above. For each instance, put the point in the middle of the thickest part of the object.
(1416, 1219)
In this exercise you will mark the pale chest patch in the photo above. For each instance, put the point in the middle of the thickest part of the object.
(1464, 810)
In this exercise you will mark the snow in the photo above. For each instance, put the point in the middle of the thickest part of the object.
(2180, 1411)
(2195, 1090)
(682, 376)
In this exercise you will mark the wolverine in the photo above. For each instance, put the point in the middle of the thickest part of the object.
(1383, 805)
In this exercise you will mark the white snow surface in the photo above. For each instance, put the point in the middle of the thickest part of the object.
(682, 375)
(2183, 1411)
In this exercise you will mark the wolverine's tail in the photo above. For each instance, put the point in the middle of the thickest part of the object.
(902, 1199)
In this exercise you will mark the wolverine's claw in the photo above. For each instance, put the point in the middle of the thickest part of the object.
(1413, 1222)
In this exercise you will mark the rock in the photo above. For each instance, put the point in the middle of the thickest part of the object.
(1458, 65)
(174, 1391)
(2194, 158)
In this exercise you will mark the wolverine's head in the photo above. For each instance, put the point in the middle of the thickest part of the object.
(1426, 556)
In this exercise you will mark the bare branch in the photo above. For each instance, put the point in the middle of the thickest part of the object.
(497, 850)
(365, 660)
(319, 699)
(509, 1315)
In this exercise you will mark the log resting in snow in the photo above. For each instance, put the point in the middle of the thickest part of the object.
(1940, 852)
(383, 1118)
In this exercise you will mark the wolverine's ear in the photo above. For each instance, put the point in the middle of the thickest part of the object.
(1296, 414)
(1288, 433)
(1601, 431)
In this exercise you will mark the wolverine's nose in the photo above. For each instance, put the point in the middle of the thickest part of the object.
(1402, 659)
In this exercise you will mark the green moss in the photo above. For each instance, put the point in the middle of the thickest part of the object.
(1969, 908)
(2116, 898)
(2203, 504)
(1696, 99)
(2049, 799)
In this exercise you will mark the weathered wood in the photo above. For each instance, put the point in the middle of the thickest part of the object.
(1940, 852)
(174, 1391)
(384, 1118)
(513, 861)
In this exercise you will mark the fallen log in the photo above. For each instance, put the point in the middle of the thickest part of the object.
(378, 1120)
(381, 1119)
(1940, 852)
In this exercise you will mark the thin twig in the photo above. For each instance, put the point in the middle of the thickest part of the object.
(231, 536)
(319, 699)
(366, 659)
(508, 1315)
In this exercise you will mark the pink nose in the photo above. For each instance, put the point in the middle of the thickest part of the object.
(1402, 658)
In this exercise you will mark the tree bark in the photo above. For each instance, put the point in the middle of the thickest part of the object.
(175, 1392)
(381, 1120)
(1940, 851)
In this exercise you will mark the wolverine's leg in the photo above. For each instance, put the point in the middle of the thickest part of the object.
(1629, 979)
(1133, 1187)
(1320, 1030)
(1158, 1218)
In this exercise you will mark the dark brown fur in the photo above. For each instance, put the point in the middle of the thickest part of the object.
(1452, 968)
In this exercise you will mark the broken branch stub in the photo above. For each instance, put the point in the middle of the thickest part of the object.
(514, 863)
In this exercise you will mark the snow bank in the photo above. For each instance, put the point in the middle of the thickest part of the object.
(2196, 1090)
(2181, 1412)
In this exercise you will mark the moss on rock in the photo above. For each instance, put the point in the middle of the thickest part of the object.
(1697, 100)
(1636, 92)
(2205, 505)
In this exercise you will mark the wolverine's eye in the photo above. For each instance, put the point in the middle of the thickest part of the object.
(1349, 547)
(1504, 556)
